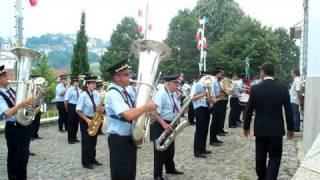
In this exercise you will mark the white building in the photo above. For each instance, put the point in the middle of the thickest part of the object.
(6, 57)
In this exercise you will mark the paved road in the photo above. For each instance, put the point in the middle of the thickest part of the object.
(55, 159)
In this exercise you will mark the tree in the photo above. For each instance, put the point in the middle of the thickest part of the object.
(121, 39)
(223, 15)
(180, 39)
(79, 61)
(260, 44)
(44, 70)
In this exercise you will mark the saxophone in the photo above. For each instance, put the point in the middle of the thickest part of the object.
(166, 138)
(98, 117)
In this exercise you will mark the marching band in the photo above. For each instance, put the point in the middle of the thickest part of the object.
(209, 99)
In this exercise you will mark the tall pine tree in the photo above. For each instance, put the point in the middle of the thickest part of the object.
(80, 60)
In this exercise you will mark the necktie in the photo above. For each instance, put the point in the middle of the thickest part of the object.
(12, 97)
(93, 103)
(77, 92)
(175, 108)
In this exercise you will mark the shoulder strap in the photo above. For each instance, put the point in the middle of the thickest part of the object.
(5, 97)
(115, 116)
(92, 100)
(131, 101)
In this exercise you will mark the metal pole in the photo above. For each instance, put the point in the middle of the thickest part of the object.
(202, 41)
(19, 24)
(146, 27)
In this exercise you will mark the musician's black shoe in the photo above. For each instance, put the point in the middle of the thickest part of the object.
(216, 143)
(200, 156)
(192, 124)
(76, 140)
(32, 154)
(89, 166)
(72, 142)
(232, 126)
(61, 130)
(97, 163)
(175, 172)
(159, 178)
(207, 152)
(223, 133)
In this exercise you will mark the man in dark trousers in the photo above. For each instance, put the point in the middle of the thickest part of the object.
(168, 108)
(121, 112)
(267, 100)
(17, 135)
(61, 90)
(36, 122)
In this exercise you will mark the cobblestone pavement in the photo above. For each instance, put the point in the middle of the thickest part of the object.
(55, 159)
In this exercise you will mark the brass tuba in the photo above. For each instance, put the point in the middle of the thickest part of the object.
(166, 138)
(27, 88)
(207, 82)
(226, 87)
(149, 53)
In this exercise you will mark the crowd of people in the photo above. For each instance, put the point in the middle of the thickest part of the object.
(208, 110)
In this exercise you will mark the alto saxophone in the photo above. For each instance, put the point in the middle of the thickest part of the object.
(98, 117)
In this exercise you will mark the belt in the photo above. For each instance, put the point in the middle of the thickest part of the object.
(10, 123)
(167, 121)
(117, 135)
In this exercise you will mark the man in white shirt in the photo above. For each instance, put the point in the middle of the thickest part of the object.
(296, 97)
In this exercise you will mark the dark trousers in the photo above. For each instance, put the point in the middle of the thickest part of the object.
(273, 147)
(217, 115)
(88, 145)
(235, 111)
(123, 157)
(161, 158)
(63, 117)
(166, 158)
(202, 125)
(191, 114)
(35, 125)
(73, 122)
(296, 116)
(223, 115)
(18, 141)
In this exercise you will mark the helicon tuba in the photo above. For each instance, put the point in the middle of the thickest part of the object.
(178, 124)
(27, 88)
(149, 53)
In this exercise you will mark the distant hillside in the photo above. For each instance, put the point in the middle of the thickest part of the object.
(1, 41)
(59, 48)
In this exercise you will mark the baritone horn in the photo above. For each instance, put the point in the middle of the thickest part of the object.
(178, 124)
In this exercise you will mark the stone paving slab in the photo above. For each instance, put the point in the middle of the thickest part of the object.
(57, 160)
